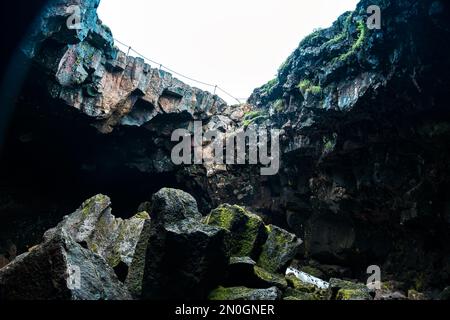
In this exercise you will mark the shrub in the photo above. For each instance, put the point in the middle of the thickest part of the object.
(306, 86)
(362, 29)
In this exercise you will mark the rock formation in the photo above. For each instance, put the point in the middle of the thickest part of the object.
(364, 175)
(365, 164)
(190, 273)
(95, 227)
(60, 269)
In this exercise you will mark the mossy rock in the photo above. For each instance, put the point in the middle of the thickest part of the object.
(247, 230)
(142, 215)
(347, 290)
(299, 285)
(246, 294)
(136, 270)
(279, 249)
(297, 295)
(121, 245)
(185, 258)
(270, 279)
(242, 260)
(112, 238)
(313, 271)
(353, 294)
(242, 271)
(415, 295)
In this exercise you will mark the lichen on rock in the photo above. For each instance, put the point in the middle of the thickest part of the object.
(94, 225)
(42, 274)
(346, 290)
(279, 249)
(247, 229)
(190, 273)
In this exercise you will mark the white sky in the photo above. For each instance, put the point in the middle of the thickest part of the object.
(237, 44)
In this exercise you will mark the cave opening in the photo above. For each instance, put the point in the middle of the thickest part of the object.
(53, 161)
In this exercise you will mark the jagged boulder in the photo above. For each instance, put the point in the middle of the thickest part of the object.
(269, 279)
(243, 271)
(136, 270)
(346, 290)
(60, 269)
(89, 73)
(185, 258)
(242, 293)
(390, 290)
(354, 153)
(94, 226)
(417, 296)
(279, 249)
(299, 285)
(303, 286)
(54, 23)
(247, 230)
(304, 281)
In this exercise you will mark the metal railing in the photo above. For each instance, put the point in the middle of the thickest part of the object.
(163, 67)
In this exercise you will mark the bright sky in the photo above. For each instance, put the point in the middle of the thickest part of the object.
(236, 44)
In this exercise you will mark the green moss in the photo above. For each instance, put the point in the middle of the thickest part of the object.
(299, 285)
(315, 90)
(142, 215)
(346, 290)
(338, 38)
(362, 29)
(279, 248)
(306, 86)
(329, 146)
(293, 294)
(115, 255)
(94, 247)
(254, 117)
(311, 39)
(249, 235)
(272, 83)
(279, 105)
(221, 217)
(387, 286)
(313, 271)
(224, 294)
(114, 260)
(351, 294)
(88, 206)
(271, 279)
(329, 143)
(415, 295)
(247, 229)
(345, 294)
(269, 86)
(247, 123)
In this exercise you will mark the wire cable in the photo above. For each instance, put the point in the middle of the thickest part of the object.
(161, 66)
